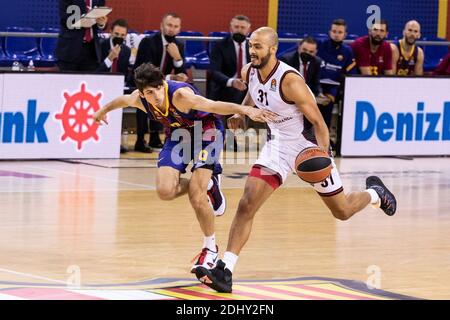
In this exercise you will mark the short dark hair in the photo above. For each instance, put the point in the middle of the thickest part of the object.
(308, 39)
(121, 23)
(383, 21)
(340, 22)
(171, 14)
(147, 75)
(241, 17)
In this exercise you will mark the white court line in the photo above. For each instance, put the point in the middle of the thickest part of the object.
(95, 178)
(29, 275)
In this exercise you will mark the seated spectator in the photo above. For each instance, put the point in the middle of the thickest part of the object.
(407, 57)
(115, 53)
(444, 66)
(304, 60)
(339, 60)
(373, 54)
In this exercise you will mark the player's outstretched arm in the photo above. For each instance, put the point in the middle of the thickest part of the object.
(185, 99)
(238, 120)
(295, 90)
(127, 100)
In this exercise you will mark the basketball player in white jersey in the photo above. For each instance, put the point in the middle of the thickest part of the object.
(275, 86)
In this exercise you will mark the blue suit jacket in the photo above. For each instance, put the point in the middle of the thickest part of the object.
(70, 41)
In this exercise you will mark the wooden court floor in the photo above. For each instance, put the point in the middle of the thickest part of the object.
(103, 219)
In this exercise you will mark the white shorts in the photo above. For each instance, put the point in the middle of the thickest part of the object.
(280, 157)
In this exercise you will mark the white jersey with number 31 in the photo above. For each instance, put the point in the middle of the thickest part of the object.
(268, 95)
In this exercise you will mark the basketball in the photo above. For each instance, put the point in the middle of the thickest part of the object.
(313, 165)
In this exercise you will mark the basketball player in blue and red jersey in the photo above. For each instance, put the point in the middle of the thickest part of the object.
(373, 53)
(275, 86)
(407, 57)
(193, 133)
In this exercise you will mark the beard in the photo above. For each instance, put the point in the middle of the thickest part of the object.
(410, 41)
(264, 61)
(376, 42)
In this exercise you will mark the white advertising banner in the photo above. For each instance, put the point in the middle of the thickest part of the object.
(48, 116)
(396, 116)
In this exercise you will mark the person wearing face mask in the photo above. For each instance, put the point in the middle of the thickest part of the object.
(227, 58)
(407, 57)
(339, 60)
(373, 53)
(305, 60)
(163, 50)
(115, 54)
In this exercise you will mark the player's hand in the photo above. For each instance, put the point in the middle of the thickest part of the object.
(101, 21)
(100, 116)
(239, 84)
(323, 99)
(261, 115)
(173, 51)
(114, 52)
(236, 122)
(179, 77)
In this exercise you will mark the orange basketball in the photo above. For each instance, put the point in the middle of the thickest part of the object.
(313, 165)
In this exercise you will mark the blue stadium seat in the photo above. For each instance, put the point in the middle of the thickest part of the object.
(149, 32)
(433, 54)
(284, 47)
(3, 59)
(321, 36)
(352, 36)
(22, 49)
(47, 47)
(194, 51)
(222, 34)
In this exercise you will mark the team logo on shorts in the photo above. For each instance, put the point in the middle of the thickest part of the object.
(273, 85)
(77, 116)
(340, 57)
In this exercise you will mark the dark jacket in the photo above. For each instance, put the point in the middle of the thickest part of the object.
(123, 59)
(151, 50)
(312, 74)
(70, 41)
(223, 66)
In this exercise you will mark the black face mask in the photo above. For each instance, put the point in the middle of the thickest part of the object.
(306, 57)
(239, 37)
(117, 41)
(169, 39)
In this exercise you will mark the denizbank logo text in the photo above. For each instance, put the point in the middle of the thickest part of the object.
(417, 126)
(19, 128)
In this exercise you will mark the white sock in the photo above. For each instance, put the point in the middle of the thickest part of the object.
(210, 242)
(374, 197)
(230, 259)
(210, 184)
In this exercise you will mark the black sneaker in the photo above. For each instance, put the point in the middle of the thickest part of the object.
(141, 147)
(216, 197)
(388, 202)
(155, 143)
(218, 278)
